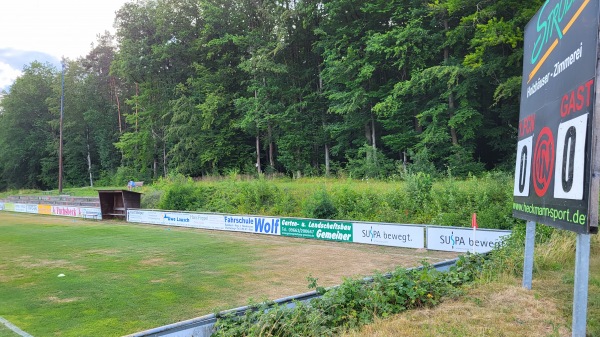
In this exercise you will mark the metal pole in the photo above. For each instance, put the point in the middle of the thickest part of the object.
(529, 250)
(60, 141)
(580, 296)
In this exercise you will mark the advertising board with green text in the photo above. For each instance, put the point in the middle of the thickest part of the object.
(317, 229)
(556, 123)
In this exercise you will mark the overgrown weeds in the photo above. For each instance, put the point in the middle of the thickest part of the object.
(418, 199)
(354, 303)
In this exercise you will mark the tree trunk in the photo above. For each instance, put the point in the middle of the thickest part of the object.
(451, 104)
(271, 145)
(258, 153)
(136, 105)
(373, 141)
(326, 159)
(451, 114)
(164, 159)
(89, 158)
(114, 84)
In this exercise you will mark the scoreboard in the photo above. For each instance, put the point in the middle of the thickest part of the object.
(557, 136)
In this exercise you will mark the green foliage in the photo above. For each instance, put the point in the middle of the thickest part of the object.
(341, 87)
(354, 303)
(28, 128)
(418, 188)
(123, 175)
(462, 164)
(422, 162)
(510, 257)
(180, 197)
(418, 199)
(370, 163)
(255, 196)
(151, 199)
(454, 200)
(319, 206)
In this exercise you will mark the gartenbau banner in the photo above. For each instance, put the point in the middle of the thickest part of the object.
(317, 229)
(556, 123)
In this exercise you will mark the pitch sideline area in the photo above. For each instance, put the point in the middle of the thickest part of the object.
(121, 278)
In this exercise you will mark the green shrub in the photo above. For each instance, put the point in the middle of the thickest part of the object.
(254, 197)
(370, 163)
(287, 204)
(319, 206)
(509, 257)
(123, 175)
(151, 199)
(344, 199)
(462, 164)
(455, 200)
(179, 197)
(418, 188)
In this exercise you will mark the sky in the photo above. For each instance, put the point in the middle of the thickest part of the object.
(47, 30)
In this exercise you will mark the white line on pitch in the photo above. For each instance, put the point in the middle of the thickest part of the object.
(14, 328)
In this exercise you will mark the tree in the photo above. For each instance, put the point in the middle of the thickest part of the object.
(154, 52)
(26, 137)
(104, 108)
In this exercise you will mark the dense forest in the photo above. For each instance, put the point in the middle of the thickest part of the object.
(299, 87)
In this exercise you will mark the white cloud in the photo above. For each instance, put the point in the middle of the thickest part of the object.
(59, 27)
(8, 75)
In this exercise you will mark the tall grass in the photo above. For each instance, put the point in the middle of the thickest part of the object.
(417, 199)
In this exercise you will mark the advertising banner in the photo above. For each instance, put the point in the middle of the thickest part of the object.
(32, 208)
(9, 206)
(22, 208)
(45, 209)
(236, 223)
(317, 229)
(91, 213)
(142, 216)
(66, 211)
(206, 221)
(408, 236)
(460, 239)
(251, 224)
(176, 219)
(1, 206)
(553, 170)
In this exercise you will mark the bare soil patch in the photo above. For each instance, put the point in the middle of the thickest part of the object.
(55, 299)
(158, 261)
(31, 263)
(108, 252)
(287, 262)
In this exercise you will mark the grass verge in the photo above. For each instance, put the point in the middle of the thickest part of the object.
(121, 278)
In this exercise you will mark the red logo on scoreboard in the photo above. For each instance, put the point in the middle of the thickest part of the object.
(543, 161)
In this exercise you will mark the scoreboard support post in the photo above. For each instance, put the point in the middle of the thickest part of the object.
(580, 295)
(529, 251)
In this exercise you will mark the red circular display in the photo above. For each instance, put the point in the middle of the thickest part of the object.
(543, 161)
